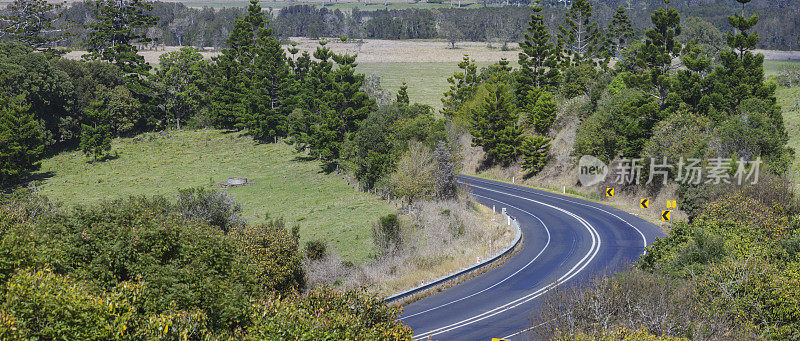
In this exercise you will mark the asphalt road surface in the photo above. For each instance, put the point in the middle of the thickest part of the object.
(566, 241)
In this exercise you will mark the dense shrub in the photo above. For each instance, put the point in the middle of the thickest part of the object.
(216, 208)
(316, 249)
(386, 234)
(136, 269)
(324, 314)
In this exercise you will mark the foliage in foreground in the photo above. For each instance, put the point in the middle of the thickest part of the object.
(139, 269)
(730, 274)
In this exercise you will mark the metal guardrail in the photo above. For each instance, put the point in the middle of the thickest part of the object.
(466, 270)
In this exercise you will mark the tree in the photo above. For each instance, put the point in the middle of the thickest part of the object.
(581, 37)
(31, 22)
(181, 80)
(451, 32)
(620, 31)
(117, 27)
(542, 113)
(462, 86)
(494, 125)
(21, 142)
(413, 178)
(252, 79)
(95, 138)
(740, 74)
(655, 57)
(537, 61)
(402, 94)
(535, 151)
(704, 34)
(445, 178)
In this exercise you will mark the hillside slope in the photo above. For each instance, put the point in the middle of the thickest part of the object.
(285, 185)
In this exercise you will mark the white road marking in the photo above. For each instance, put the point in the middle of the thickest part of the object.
(504, 279)
(544, 194)
(576, 269)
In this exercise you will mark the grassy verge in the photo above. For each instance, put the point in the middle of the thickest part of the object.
(285, 185)
(788, 100)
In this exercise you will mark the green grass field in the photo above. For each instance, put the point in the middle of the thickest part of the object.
(788, 100)
(426, 81)
(324, 206)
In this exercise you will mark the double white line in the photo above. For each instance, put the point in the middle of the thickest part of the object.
(575, 270)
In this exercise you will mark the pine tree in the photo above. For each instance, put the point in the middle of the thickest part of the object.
(21, 142)
(253, 79)
(96, 136)
(494, 125)
(741, 73)
(537, 61)
(655, 57)
(581, 36)
(535, 151)
(402, 95)
(31, 22)
(542, 113)
(462, 87)
(620, 32)
(117, 28)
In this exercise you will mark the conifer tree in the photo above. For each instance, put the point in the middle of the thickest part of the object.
(494, 125)
(542, 113)
(655, 57)
(21, 141)
(620, 32)
(253, 79)
(741, 73)
(581, 36)
(535, 151)
(95, 138)
(537, 61)
(31, 22)
(402, 94)
(117, 27)
(462, 87)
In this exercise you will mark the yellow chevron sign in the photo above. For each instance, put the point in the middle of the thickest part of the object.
(644, 203)
(609, 192)
(666, 215)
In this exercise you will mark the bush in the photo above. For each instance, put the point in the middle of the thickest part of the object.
(316, 249)
(49, 306)
(216, 208)
(386, 234)
(348, 315)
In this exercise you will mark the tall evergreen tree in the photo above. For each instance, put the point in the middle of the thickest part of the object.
(619, 32)
(462, 86)
(537, 61)
(494, 125)
(740, 74)
(542, 113)
(581, 36)
(535, 150)
(31, 22)
(117, 27)
(253, 79)
(655, 57)
(21, 141)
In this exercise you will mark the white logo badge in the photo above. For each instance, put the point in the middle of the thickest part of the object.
(592, 170)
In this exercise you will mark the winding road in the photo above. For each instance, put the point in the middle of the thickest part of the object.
(565, 240)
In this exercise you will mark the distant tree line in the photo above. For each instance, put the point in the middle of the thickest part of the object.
(178, 25)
